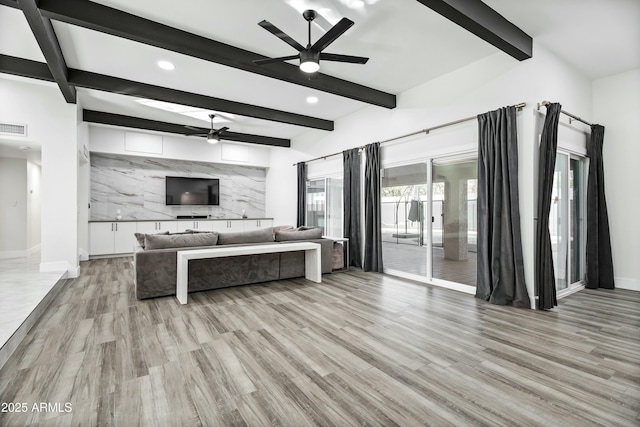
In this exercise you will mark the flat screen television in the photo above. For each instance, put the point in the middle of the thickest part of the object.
(192, 191)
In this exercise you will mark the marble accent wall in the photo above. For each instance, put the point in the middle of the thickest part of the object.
(136, 186)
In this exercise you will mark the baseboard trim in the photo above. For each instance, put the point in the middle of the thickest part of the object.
(629, 284)
(83, 255)
(71, 271)
(13, 254)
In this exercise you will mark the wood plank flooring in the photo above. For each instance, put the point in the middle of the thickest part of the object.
(357, 349)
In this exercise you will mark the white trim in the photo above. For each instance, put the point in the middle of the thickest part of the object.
(13, 254)
(629, 284)
(69, 270)
(435, 282)
(569, 291)
(83, 255)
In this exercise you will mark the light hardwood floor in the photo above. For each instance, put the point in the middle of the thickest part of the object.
(357, 349)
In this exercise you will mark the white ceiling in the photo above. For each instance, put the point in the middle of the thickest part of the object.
(406, 42)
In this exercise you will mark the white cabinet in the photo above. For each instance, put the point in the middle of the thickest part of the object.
(112, 238)
(107, 238)
(227, 225)
(153, 227)
(196, 224)
(256, 224)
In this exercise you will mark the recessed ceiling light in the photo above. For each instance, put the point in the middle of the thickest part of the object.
(166, 65)
(312, 99)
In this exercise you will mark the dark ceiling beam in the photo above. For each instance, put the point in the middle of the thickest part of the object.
(485, 23)
(25, 68)
(138, 123)
(10, 3)
(46, 37)
(102, 18)
(89, 80)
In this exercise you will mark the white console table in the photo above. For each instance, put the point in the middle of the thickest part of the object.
(312, 268)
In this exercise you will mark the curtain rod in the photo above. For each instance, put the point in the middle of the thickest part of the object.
(519, 106)
(571, 116)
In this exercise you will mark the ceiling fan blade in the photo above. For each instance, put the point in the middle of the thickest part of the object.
(343, 58)
(193, 128)
(331, 35)
(195, 134)
(272, 60)
(222, 130)
(281, 35)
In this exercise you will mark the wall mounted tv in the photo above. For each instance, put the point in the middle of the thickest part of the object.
(192, 191)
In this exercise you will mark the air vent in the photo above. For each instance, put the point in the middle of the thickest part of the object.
(13, 129)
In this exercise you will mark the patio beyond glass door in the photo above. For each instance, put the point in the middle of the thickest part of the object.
(454, 220)
(404, 197)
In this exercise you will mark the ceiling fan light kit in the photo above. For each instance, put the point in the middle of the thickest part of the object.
(309, 61)
(311, 55)
(213, 136)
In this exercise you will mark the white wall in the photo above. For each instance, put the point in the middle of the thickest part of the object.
(485, 85)
(616, 105)
(110, 140)
(13, 207)
(52, 124)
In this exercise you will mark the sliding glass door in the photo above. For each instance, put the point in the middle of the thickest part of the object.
(454, 220)
(566, 221)
(324, 205)
(404, 197)
(429, 220)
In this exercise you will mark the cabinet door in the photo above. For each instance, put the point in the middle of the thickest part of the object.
(235, 225)
(147, 227)
(203, 225)
(124, 240)
(170, 226)
(101, 238)
(226, 225)
(219, 225)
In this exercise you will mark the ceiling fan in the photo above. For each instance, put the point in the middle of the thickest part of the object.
(213, 136)
(311, 55)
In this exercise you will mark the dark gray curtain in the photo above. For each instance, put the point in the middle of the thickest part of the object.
(302, 185)
(544, 273)
(352, 200)
(372, 207)
(599, 259)
(500, 263)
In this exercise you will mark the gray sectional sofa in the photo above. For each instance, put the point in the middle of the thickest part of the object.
(155, 260)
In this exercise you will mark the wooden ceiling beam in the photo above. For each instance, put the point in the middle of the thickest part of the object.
(92, 116)
(48, 41)
(486, 23)
(115, 22)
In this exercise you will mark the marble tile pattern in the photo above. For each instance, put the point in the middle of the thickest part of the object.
(136, 186)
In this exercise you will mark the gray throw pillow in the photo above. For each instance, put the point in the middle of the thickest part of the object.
(308, 234)
(253, 236)
(154, 241)
(140, 237)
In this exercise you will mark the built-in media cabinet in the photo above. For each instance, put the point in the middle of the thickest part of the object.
(117, 237)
